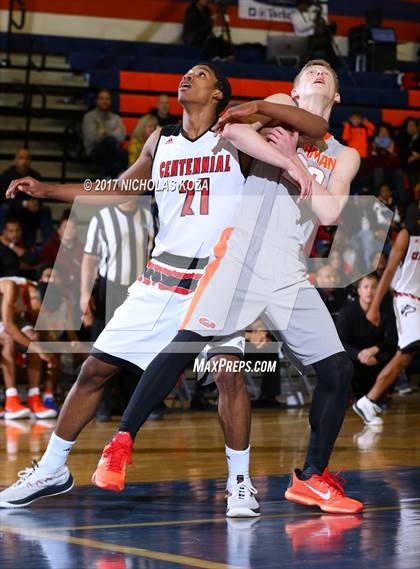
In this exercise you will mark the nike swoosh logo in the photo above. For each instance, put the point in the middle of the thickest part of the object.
(324, 496)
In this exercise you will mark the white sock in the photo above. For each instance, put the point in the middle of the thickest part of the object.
(11, 391)
(238, 465)
(56, 454)
(33, 391)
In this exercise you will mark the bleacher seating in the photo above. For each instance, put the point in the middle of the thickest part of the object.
(137, 71)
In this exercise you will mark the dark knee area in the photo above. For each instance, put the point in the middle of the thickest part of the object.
(95, 373)
(228, 381)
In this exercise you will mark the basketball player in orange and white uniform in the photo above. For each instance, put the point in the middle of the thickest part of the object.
(198, 182)
(402, 275)
(19, 299)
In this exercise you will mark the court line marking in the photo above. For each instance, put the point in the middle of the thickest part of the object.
(183, 560)
(48, 530)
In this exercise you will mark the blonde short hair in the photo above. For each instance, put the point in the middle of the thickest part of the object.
(322, 63)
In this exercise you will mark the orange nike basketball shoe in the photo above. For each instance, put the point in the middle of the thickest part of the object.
(323, 490)
(110, 472)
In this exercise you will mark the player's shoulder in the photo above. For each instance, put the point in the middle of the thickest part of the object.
(348, 157)
(281, 99)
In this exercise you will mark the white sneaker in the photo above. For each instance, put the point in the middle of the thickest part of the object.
(368, 411)
(34, 483)
(241, 501)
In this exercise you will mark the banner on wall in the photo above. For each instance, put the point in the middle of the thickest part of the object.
(272, 10)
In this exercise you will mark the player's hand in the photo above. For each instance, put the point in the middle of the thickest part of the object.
(366, 355)
(29, 185)
(300, 175)
(373, 315)
(283, 140)
(239, 113)
(50, 359)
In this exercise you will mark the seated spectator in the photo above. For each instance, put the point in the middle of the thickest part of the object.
(385, 162)
(161, 111)
(370, 347)
(103, 132)
(66, 251)
(409, 146)
(21, 167)
(16, 331)
(143, 129)
(385, 197)
(30, 212)
(16, 260)
(326, 283)
(198, 24)
(335, 260)
(55, 319)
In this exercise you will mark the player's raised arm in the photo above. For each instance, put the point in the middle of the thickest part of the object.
(140, 170)
(397, 254)
(277, 109)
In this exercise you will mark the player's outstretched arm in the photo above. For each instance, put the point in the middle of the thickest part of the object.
(278, 109)
(140, 170)
(397, 254)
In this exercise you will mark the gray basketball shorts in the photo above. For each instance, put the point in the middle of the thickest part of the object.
(246, 281)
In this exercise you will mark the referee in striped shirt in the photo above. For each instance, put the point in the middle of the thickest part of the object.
(118, 244)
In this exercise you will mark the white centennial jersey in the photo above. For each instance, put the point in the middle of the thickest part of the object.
(198, 187)
(407, 277)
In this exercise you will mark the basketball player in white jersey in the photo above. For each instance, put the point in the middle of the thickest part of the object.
(258, 270)
(198, 185)
(402, 275)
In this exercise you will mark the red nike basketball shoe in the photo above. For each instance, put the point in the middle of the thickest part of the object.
(110, 472)
(323, 490)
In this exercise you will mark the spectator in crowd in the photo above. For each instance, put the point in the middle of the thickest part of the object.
(356, 133)
(15, 258)
(17, 298)
(385, 162)
(335, 260)
(385, 197)
(303, 18)
(309, 21)
(103, 132)
(31, 212)
(21, 167)
(409, 145)
(55, 321)
(326, 283)
(198, 24)
(66, 251)
(118, 244)
(412, 216)
(370, 347)
(161, 111)
(143, 129)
